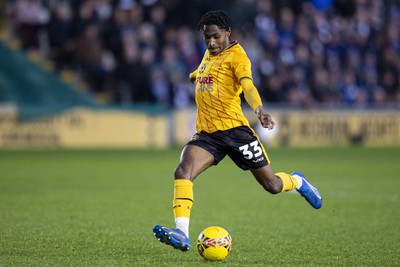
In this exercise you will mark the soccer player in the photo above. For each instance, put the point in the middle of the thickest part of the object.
(222, 129)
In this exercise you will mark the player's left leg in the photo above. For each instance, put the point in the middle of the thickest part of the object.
(248, 153)
(274, 182)
(256, 159)
(281, 181)
(308, 191)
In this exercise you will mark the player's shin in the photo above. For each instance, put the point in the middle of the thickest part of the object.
(289, 182)
(182, 203)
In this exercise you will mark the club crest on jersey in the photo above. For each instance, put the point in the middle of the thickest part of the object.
(202, 68)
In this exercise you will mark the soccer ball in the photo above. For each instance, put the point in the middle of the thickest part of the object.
(214, 243)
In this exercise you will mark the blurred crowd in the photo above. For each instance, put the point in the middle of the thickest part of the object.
(303, 52)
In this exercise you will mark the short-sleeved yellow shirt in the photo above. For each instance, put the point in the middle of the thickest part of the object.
(218, 89)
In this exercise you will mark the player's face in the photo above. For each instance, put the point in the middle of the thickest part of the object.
(215, 38)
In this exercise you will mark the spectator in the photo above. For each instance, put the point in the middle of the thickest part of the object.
(351, 93)
(89, 55)
(61, 32)
(30, 17)
(115, 30)
(160, 87)
(158, 19)
(333, 52)
(133, 77)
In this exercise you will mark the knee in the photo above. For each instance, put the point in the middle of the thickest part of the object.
(181, 172)
(273, 187)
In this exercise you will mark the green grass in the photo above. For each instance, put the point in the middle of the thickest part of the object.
(97, 208)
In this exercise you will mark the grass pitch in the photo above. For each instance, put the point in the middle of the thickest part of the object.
(98, 207)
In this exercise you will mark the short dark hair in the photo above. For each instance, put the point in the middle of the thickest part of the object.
(217, 17)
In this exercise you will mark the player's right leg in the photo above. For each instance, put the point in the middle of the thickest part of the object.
(182, 204)
(194, 160)
(173, 237)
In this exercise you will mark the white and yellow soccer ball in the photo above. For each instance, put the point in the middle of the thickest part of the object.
(214, 243)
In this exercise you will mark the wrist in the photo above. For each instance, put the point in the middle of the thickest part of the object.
(258, 110)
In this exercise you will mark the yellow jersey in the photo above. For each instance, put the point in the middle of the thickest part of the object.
(218, 89)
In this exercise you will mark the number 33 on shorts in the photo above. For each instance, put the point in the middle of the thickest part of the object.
(252, 150)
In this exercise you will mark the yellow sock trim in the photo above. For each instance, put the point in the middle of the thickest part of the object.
(288, 181)
(183, 198)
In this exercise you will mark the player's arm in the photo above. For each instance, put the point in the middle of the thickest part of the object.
(193, 76)
(254, 100)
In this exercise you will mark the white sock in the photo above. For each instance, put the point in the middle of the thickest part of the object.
(182, 223)
(299, 181)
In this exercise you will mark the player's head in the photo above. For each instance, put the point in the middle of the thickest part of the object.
(216, 28)
(217, 17)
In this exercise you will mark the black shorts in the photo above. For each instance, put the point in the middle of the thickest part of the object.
(241, 144)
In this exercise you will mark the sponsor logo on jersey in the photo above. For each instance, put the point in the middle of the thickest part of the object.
(204, 80)
(204, 84)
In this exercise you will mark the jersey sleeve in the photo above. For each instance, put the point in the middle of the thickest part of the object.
(251, 94)
(241, 65)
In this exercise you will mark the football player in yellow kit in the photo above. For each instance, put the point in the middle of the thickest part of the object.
(221, 128)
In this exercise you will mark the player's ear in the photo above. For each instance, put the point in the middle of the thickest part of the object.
(228, 32)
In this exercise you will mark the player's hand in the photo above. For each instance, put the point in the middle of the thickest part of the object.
(264, 118)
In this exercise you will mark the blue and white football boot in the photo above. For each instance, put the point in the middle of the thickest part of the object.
(309, 192)
(173, 237)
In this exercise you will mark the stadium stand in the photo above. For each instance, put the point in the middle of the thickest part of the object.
(37, 92)
(307, 53)
(328, 69)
